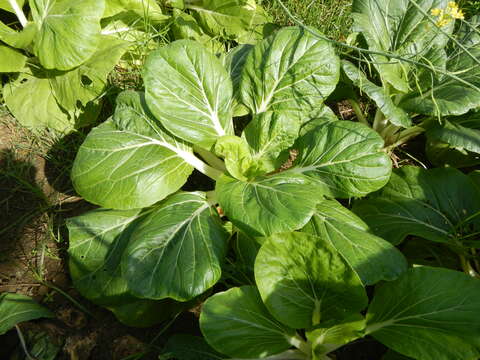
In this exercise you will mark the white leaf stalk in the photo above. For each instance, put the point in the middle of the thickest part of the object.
(19, 12)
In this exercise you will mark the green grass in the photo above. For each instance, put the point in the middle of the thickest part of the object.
(331, 17)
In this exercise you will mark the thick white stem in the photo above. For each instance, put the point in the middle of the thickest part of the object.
(19, 12)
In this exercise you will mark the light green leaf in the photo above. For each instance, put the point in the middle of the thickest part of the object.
(18, 39)
(87, 81)
(177, 250)
(290, 70)
(428, 314)
(190, 92)
(68, 32)
(147, 9)
(16, 308)
(327, 339)
(371, 257)
(238, 160)
(184, 26)
(31, 100)
(267, 204)
(430, 204)
(239, 20)
(398, 27)
(236, 323)
(124, 156)
(5, 5)
(12, 60)
(377, 93)
(294, 276)
(344, 158)
(234, 61)
(268, 134)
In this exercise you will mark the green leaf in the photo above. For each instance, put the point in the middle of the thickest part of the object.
(268, 134)
(31, 101)
(371, 257)
(344, 158)
(239, 20)
(189, 347)
(419, 252)
(236, 323)
(441, 154)
(267, 204)
(190, 92)
(431, 204)
(246, 250)
(298, 286)
(378, 94)
(177, 250)
(12, 60)
(184, 26)
(428, 314)
(290, 70)
(238, 160)
(327, 339)
(147, 9)
(18, 39)
(398, 27)
(98, 240)
(68, 32)
(5, 5)
(87, 81)
(116, 165)
(16, 308)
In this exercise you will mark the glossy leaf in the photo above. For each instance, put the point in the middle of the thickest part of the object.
(87, 81)
(290, 70)
(5, 5)
(267, 204)
(344, 158)
(68, 32)
(295, 279)
(118, 162)
(371, 257)
(18, 39)
(392, 113)
(238, 314)
(190, 92)
(177, 250)
(428, 314)
(147, 9)
(430, 204)
(16, 308)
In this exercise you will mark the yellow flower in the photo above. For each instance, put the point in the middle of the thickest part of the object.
(457, 14)
(445, 16)
(436, 12)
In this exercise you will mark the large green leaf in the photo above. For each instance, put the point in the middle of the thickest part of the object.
(131, 164)
(68, 31)
(428, 314)
(431, 204)
(97, 242)
(239, 20)
(344, 158)
(18, 39)
(303, 280)
(236, 323)
(378, 94)
(16, 308)
(190, 92)
(31, 100)
(398, 27)
(148, 9)
(267, 204)
(290, 70)
(87, 81)
(12, 60)
(177, 250)
(371, 257)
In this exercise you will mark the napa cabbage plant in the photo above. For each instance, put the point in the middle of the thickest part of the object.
(307, 303)
(419, 66)
(153, 245)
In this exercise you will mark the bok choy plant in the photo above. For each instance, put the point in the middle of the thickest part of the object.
(153, 245)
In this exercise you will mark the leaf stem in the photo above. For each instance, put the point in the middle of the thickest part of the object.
(210, 158)
(198, 164)
(358, 111)
(300, 344)
(19, 12)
